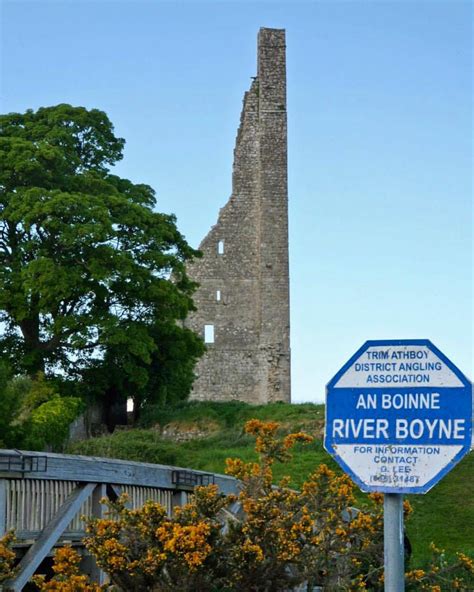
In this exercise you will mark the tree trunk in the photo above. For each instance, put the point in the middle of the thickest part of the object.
(33, 360)
(114, 409)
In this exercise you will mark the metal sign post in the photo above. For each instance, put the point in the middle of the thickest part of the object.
(394, 551)
(398, 418)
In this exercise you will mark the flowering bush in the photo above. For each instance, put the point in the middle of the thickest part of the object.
(7, 556)
(346, 550)
(266, 549)
(280, 538)
(289, 537)
(67, 577)
(145, 549)
(441, 574)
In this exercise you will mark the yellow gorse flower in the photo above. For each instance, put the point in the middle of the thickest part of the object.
(7, 556)
(466, 562)
(276, 531)
(188, 541)
(67, 577)
(416, 575)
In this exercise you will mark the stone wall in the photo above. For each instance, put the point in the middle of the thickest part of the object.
(243, 275)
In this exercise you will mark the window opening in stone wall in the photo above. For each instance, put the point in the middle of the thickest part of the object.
(218, 295)
(208, 333)
(220, 247)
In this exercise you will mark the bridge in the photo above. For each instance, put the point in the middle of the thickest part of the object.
(44, 495)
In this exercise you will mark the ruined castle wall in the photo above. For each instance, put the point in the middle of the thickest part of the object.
(243, 275)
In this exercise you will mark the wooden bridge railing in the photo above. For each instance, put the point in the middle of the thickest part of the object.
(44, 495)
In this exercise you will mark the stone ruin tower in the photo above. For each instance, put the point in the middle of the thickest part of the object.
(243, 299)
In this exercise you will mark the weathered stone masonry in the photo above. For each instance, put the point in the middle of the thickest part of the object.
(243, 297)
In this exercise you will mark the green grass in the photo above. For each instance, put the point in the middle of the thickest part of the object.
(444, 516)
(233, 415)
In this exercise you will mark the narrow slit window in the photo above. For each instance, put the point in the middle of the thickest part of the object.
(220, 247)
(208, 333)
(218, 295)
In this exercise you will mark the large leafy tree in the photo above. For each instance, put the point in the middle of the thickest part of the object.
(85, 261)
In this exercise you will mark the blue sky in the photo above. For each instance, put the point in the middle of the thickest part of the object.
(380, 144)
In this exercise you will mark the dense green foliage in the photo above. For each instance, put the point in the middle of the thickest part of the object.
(86, 262)
(451, 498)
(34, 416)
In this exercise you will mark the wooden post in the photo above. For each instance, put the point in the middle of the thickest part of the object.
(98, 511)
(179, 499)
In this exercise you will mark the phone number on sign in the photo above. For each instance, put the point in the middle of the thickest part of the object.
(394, 479)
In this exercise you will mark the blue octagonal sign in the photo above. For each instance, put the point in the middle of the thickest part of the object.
(398, 416)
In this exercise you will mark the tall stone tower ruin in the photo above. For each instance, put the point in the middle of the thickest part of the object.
(243, 298)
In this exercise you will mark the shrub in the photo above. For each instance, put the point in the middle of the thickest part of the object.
(442, 574)
(282, 538)
(32, 413)
(7, 557)
(67, 577)
(312, 535)
(144, 549)
(49, 423)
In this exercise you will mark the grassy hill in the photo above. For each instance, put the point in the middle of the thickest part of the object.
(203, 435)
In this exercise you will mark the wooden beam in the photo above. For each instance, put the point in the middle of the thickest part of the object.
(115, 491)
(49, 536)
(106, 470)
(98, 511)
(3, 506)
